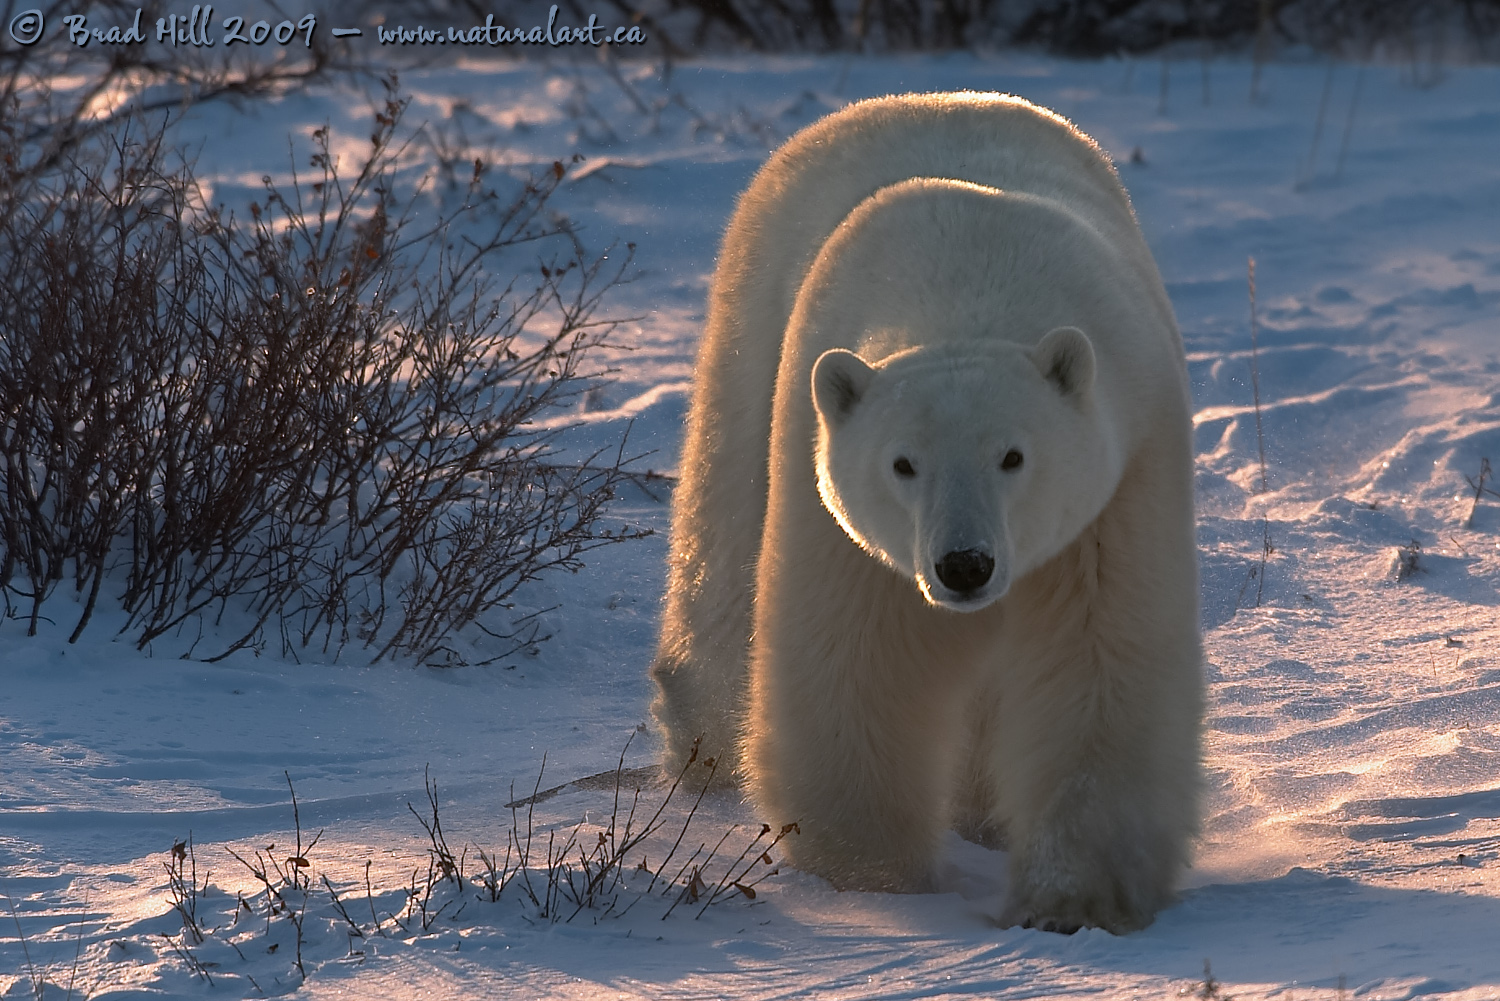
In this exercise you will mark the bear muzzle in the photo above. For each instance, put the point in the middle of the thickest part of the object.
(967, 580)
(965, 571)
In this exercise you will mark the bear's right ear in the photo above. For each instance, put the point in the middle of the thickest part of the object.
(839, 379)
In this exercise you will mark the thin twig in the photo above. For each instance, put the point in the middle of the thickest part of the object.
(1359, 84)
(1260, 440)
(713, 767)
(339, 906)
(78, 945)
(1478, 485)
(1310, 168)
(1266, 548)
(370, 899)
(36, 982)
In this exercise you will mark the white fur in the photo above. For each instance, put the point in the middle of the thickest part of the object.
(944, 280)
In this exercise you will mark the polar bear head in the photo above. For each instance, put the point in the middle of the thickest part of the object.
(962, 466)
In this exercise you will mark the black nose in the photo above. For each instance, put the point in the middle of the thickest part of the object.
(965, 570)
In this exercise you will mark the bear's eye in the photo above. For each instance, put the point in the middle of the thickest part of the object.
(904, 468)
(1011, 461)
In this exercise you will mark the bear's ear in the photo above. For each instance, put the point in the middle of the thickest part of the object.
(1066, 358)
(839, 379)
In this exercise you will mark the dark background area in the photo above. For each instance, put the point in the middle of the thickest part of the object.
(1452, 29)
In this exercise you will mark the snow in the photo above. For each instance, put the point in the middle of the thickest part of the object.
(1352, 829)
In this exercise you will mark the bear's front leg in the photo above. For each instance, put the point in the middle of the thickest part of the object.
(1094, 857)
(854, 723)
(1097, 735)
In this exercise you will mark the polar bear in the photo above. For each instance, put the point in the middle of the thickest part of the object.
(933, 557)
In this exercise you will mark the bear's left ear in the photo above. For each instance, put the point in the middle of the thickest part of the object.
(839, 379)
(1066, 358)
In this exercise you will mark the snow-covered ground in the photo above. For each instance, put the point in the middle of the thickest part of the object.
(1352, 833)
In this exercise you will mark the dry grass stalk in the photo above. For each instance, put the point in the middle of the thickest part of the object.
(597, 873)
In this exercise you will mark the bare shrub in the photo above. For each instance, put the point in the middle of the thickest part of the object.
(94, 272)
(319, 426)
